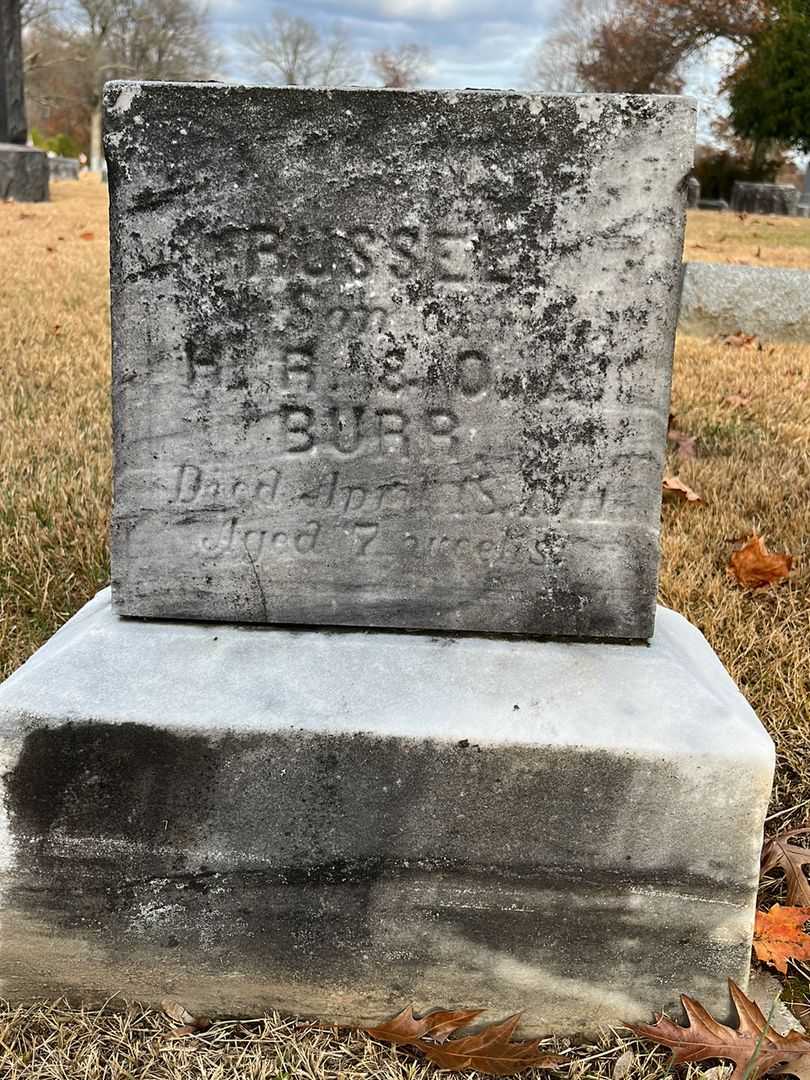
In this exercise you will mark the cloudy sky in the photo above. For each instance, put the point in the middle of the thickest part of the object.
(483, 43)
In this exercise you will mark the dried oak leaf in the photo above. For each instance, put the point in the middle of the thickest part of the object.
(754, 1047)
(684, 444)
(188, 1024)
(779, 854)
(676, 489)
(742, 341)
(86, 236)
(754, 567)
(487, 1051)
(779, 937)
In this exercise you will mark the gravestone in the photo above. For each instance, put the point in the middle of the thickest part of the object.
(752, 198)
(63, 168)
(804, 199)
(338, 822)
(396, 373)
(692, 192)
(23, 170)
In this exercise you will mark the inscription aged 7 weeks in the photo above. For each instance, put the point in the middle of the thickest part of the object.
(392, 358)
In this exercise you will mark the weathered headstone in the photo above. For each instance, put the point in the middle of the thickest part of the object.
(692, 192)
(23, 170)
(750, 198)
(381, 315)
(377, 367)
(804, 199)
(63, 168)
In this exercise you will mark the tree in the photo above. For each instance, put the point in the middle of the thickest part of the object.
(91, 41)
(295, 53)
(555, 64)
(641, 45)
(770, 91)
(401, 68)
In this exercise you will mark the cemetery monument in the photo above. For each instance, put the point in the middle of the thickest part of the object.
(380, 709)
(750, 198)
(23, 170)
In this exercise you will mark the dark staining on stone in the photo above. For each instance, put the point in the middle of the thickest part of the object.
(109, 780)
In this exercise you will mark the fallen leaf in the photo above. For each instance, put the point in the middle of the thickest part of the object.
(676, 489)
(189, 1025)
(624, 1063)
(50, 249)
(754, 567)
(779, 937)
(489, 1050)
(754, 1046)
(737, 401)
(405, 1027)
(86, 236)
(684, 443)
(779, 854)
(741, 340)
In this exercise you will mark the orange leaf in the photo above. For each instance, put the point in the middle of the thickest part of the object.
(676, 489)
(405, 1027)
(753, 566)
(489, 1050)
(779, 937)
(86, 236)
(742, 341)
(754, 1046)
(779, 854)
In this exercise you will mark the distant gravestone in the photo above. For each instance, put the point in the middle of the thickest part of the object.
(692, 192)
(23, 170)
(804, 199)
(748, 198)
(375, 367)
(63, 168)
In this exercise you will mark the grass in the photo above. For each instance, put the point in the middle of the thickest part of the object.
(749, 239)
(752, 470)
(54, 412)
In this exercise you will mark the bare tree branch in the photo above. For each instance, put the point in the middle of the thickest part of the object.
(401, 68)
(290, 50)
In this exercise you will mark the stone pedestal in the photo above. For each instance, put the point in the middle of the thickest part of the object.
(23, 173)
(339, 823)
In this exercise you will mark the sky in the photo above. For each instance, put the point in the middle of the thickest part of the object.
(482, 43)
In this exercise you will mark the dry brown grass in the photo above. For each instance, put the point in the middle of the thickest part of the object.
(55, 1042)
(54, 412)
(752, 469)
(749, 239)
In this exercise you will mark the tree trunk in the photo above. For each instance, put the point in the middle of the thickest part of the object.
(96, 154)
